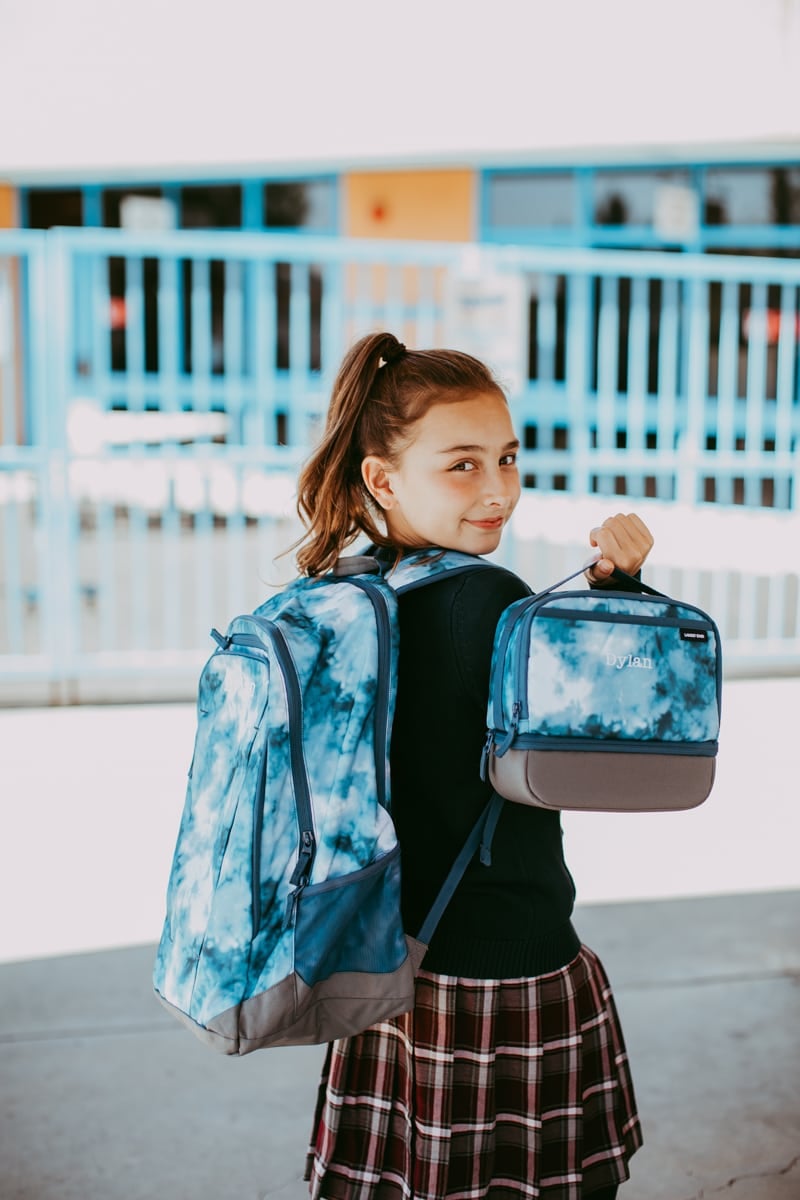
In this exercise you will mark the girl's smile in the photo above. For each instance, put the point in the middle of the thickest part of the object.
(494, 523)
(458, 491)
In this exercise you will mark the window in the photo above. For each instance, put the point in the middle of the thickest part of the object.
(752, 196)
(48, 207)
(218, 206)
(300, 204)
(113, 198)
(634, 197)
(535, 200)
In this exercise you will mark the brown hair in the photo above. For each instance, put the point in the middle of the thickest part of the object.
(380, 391)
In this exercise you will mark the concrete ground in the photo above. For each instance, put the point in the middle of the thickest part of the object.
(103, 1096)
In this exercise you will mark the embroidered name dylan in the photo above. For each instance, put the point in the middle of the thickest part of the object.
(629, 660)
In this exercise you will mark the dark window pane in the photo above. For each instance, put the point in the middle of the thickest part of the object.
(752, 196)
(531, 201)
(633, 197)
(50, 207)
(217, 207)
(300, 204)
(786, 195)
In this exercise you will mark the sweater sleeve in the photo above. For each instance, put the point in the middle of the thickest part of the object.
(480, 600)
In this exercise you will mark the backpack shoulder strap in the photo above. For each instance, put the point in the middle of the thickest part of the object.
(481, 836)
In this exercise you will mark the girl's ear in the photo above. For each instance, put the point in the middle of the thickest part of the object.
(375, 473)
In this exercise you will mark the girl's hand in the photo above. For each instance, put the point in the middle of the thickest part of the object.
(624, 542)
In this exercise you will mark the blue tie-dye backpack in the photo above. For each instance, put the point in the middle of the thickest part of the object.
(283, 905)
(606, 700)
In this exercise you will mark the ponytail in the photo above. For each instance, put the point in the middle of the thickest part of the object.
(380, 390)
(332, 499)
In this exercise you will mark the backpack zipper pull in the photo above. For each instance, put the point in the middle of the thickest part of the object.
(307, 850)
(300, 875)
(291, 905)
(512, 731)
(487, 750)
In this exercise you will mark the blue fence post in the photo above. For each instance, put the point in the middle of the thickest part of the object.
(578, 355)
(607, 377)
(232, 367)
(36, 327)
(635, 424)
(170, 329)
(786, 367)
(691, 446)
(98, 302)
(667, 393)
(12, 538)
(755, 391)
(727, 384)
(61, 582)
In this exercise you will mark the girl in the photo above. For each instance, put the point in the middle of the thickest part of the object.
(509, 1078)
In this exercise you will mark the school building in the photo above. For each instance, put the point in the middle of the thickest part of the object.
(562, 146)
(733, 206)
(196, 219)
(739, 209)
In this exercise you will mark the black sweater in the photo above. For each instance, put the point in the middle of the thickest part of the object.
(511, 918)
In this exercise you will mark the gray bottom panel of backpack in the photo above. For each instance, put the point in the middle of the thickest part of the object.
(293, 1014)
(604, 782)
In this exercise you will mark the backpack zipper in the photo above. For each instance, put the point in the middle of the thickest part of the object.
(302, 792)
(510, 618)
(302, 871)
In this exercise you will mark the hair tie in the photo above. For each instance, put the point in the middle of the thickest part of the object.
(393, 353)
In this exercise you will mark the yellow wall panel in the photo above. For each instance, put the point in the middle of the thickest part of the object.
(422, 205)
(8, 206)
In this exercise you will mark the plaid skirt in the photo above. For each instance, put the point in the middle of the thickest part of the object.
(495, 1089)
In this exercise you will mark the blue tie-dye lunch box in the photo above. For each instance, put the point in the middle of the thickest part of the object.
(604, 700)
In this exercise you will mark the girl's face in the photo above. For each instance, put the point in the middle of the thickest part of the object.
(456, 482)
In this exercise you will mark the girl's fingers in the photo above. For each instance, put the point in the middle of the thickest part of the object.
(624, 541)
(637, 522)
(600, 570)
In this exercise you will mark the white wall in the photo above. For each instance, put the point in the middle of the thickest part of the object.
(165, 85)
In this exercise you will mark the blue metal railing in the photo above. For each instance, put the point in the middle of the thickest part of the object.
(158, 392)
(253, 326)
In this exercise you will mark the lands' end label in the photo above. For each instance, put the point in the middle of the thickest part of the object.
(694, 635)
